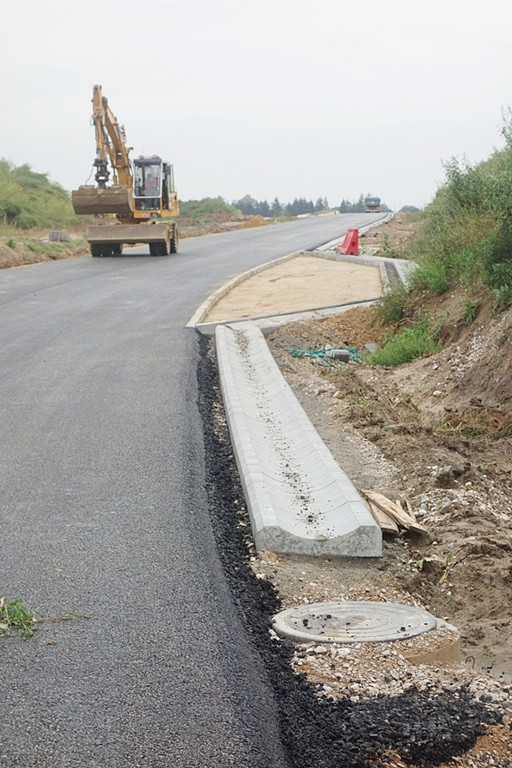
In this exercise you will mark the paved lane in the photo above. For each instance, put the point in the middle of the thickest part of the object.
(104, 513)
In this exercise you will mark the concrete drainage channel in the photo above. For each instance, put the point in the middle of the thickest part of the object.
(299, 500)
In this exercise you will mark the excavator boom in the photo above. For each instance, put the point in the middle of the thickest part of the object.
(111, 150)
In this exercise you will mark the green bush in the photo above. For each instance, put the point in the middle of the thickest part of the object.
(394, 305)
(433, 276)
(470, 309)
(407, 345)
(25, 221)
(196, 210)
(466, 235)
(29, 199)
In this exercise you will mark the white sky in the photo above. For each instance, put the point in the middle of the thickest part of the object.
(286, 98)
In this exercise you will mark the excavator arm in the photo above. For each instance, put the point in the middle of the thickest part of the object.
(110, 143)
(111, 150)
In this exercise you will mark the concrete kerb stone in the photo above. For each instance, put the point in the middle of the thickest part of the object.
(271, 322)
(299, 500)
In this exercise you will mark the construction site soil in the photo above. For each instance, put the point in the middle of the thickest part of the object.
(435, 434)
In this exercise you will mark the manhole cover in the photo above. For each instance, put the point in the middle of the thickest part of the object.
(352, 622)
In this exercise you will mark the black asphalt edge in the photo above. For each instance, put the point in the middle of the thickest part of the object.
(425, 730)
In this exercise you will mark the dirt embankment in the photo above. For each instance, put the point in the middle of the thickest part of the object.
(20, 248)
(436, 433)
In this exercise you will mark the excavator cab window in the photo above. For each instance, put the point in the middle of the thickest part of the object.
(168, 184)
(148, 186)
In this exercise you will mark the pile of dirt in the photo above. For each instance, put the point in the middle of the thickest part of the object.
(254, 221)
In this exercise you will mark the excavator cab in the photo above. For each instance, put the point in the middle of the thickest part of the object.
(153, 184)
(147, 178)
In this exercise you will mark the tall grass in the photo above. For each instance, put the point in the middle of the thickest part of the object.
(464, 239)
(29, 199)
(410, 343)
(466, 236)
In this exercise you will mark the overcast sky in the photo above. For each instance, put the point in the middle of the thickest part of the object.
(286, 98)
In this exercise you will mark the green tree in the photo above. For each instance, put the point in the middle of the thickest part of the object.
(248, 205)
(276, 208)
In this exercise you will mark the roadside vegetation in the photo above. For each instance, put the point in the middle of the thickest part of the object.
(463, 243)
(16, 620)
(29, 200)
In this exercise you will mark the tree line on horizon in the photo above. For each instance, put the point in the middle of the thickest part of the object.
(249, 206)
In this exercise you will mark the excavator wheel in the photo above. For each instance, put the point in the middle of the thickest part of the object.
(102, 250)
(158, 249)
(174, 239)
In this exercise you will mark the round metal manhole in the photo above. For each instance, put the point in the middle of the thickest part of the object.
(352, 622)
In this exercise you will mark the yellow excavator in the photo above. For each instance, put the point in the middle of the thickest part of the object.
(141, 203)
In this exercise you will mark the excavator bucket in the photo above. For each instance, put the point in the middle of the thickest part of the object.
(115, 199)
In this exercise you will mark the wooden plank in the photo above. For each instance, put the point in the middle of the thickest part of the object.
(410, 510)
(385, 523)
(396, 513)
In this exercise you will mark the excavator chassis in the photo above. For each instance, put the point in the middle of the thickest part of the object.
(108, 239)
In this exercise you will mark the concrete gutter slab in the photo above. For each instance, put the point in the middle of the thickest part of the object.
(300, 501)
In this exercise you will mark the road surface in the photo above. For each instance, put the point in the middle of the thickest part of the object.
(105, 513)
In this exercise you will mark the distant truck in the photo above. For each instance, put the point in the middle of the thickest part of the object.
(372, 205)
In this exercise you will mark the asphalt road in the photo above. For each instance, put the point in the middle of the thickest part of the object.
(104, 513)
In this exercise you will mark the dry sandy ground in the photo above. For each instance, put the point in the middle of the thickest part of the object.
(436, 433)
(297, 284)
